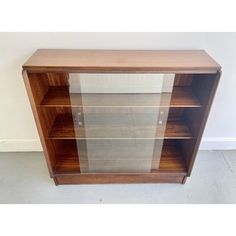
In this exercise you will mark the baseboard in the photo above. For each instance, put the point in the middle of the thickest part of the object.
(220, 143)
(34, 145)
(20, 145)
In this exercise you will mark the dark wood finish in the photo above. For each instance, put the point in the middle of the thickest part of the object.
(205, 86)
(179, 61)
(119, 178)
(184, 180)
(183, 80)
(59, 96)
(57, 79)
(64, 128)
(46, 79)
(171, 160)
(36, 92)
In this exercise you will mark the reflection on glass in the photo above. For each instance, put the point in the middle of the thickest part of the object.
(120, 120)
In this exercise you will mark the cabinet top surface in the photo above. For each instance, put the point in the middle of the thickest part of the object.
(196, 61)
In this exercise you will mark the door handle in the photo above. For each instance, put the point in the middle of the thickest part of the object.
(161, 118)
(77, 117)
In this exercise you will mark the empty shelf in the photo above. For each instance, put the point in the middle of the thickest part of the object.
(63, 128)
(59, 96)
(171, 160)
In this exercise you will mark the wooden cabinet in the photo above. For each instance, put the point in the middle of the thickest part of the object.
(107, 116)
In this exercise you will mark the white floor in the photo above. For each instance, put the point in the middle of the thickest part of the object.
(24, 179)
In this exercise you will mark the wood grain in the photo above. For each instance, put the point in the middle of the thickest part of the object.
(183, 80)
(64, 128)
(60, 96)
(35, 92)
(119, 178)
(205, 87)
(172, 61)
(171, 160)
(46, 79)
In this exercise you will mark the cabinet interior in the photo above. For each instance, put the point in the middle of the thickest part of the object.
(54, 105)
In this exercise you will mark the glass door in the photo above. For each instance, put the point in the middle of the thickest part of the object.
(119, 120)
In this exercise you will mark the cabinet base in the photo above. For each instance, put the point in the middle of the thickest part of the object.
(119, 178)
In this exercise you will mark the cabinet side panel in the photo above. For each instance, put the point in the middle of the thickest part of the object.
(36, 88)
(204, 86)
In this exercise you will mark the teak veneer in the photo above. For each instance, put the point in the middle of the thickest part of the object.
(104, 119)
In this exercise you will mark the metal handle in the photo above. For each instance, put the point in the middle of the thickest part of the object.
(78, 118)
(161, 117)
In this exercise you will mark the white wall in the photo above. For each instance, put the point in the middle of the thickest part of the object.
(17, 127)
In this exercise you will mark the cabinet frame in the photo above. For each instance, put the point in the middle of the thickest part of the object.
(196, 63)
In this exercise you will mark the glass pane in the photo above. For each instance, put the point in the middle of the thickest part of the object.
(119, 120)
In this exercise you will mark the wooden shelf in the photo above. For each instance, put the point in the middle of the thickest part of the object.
(122, 131)
(171, 160)
(58, 96)
(63, 128)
